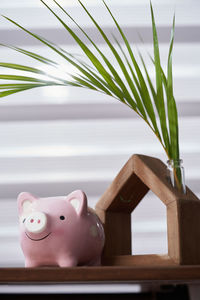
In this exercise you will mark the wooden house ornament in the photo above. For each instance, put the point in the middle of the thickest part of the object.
(139, 175)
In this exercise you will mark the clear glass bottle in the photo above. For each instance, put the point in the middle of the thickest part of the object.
(177, 174)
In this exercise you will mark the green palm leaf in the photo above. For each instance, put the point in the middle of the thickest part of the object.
(171, 105)
(134, 86)
(95, 61)
(29, 69)
(155, 105)
(140, 82)
(159, 84)
(32, 55)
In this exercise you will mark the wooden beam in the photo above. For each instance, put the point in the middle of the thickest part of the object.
(158, 274)
(117, 228)
(125, 192)
(138, 260)
(184, 231)
(153, 172)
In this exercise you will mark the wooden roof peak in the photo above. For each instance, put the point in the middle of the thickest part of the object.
(140, 174)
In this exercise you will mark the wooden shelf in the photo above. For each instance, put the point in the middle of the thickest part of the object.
(159, 274)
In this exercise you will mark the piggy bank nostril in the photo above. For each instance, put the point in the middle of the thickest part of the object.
(31, 220)
(38, 221)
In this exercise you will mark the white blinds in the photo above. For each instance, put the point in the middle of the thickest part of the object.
(56, 140)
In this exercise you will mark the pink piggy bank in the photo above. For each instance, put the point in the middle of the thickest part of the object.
(59, 231)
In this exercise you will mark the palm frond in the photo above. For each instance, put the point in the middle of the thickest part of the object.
(154, 104)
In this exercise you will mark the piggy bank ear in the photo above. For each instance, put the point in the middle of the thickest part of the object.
(24, 202)
(78, 200)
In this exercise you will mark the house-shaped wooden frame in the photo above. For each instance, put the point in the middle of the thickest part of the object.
(114, 208)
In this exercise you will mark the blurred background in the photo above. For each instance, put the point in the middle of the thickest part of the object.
(55, 140)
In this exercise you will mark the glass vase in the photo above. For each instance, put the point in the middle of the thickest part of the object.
(177, 174)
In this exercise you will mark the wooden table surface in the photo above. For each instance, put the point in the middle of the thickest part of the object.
(135, 274)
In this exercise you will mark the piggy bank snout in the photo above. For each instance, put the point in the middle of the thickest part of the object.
(36, 222)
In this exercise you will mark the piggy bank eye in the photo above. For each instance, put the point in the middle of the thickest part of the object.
(24, 220)
(62, 217)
